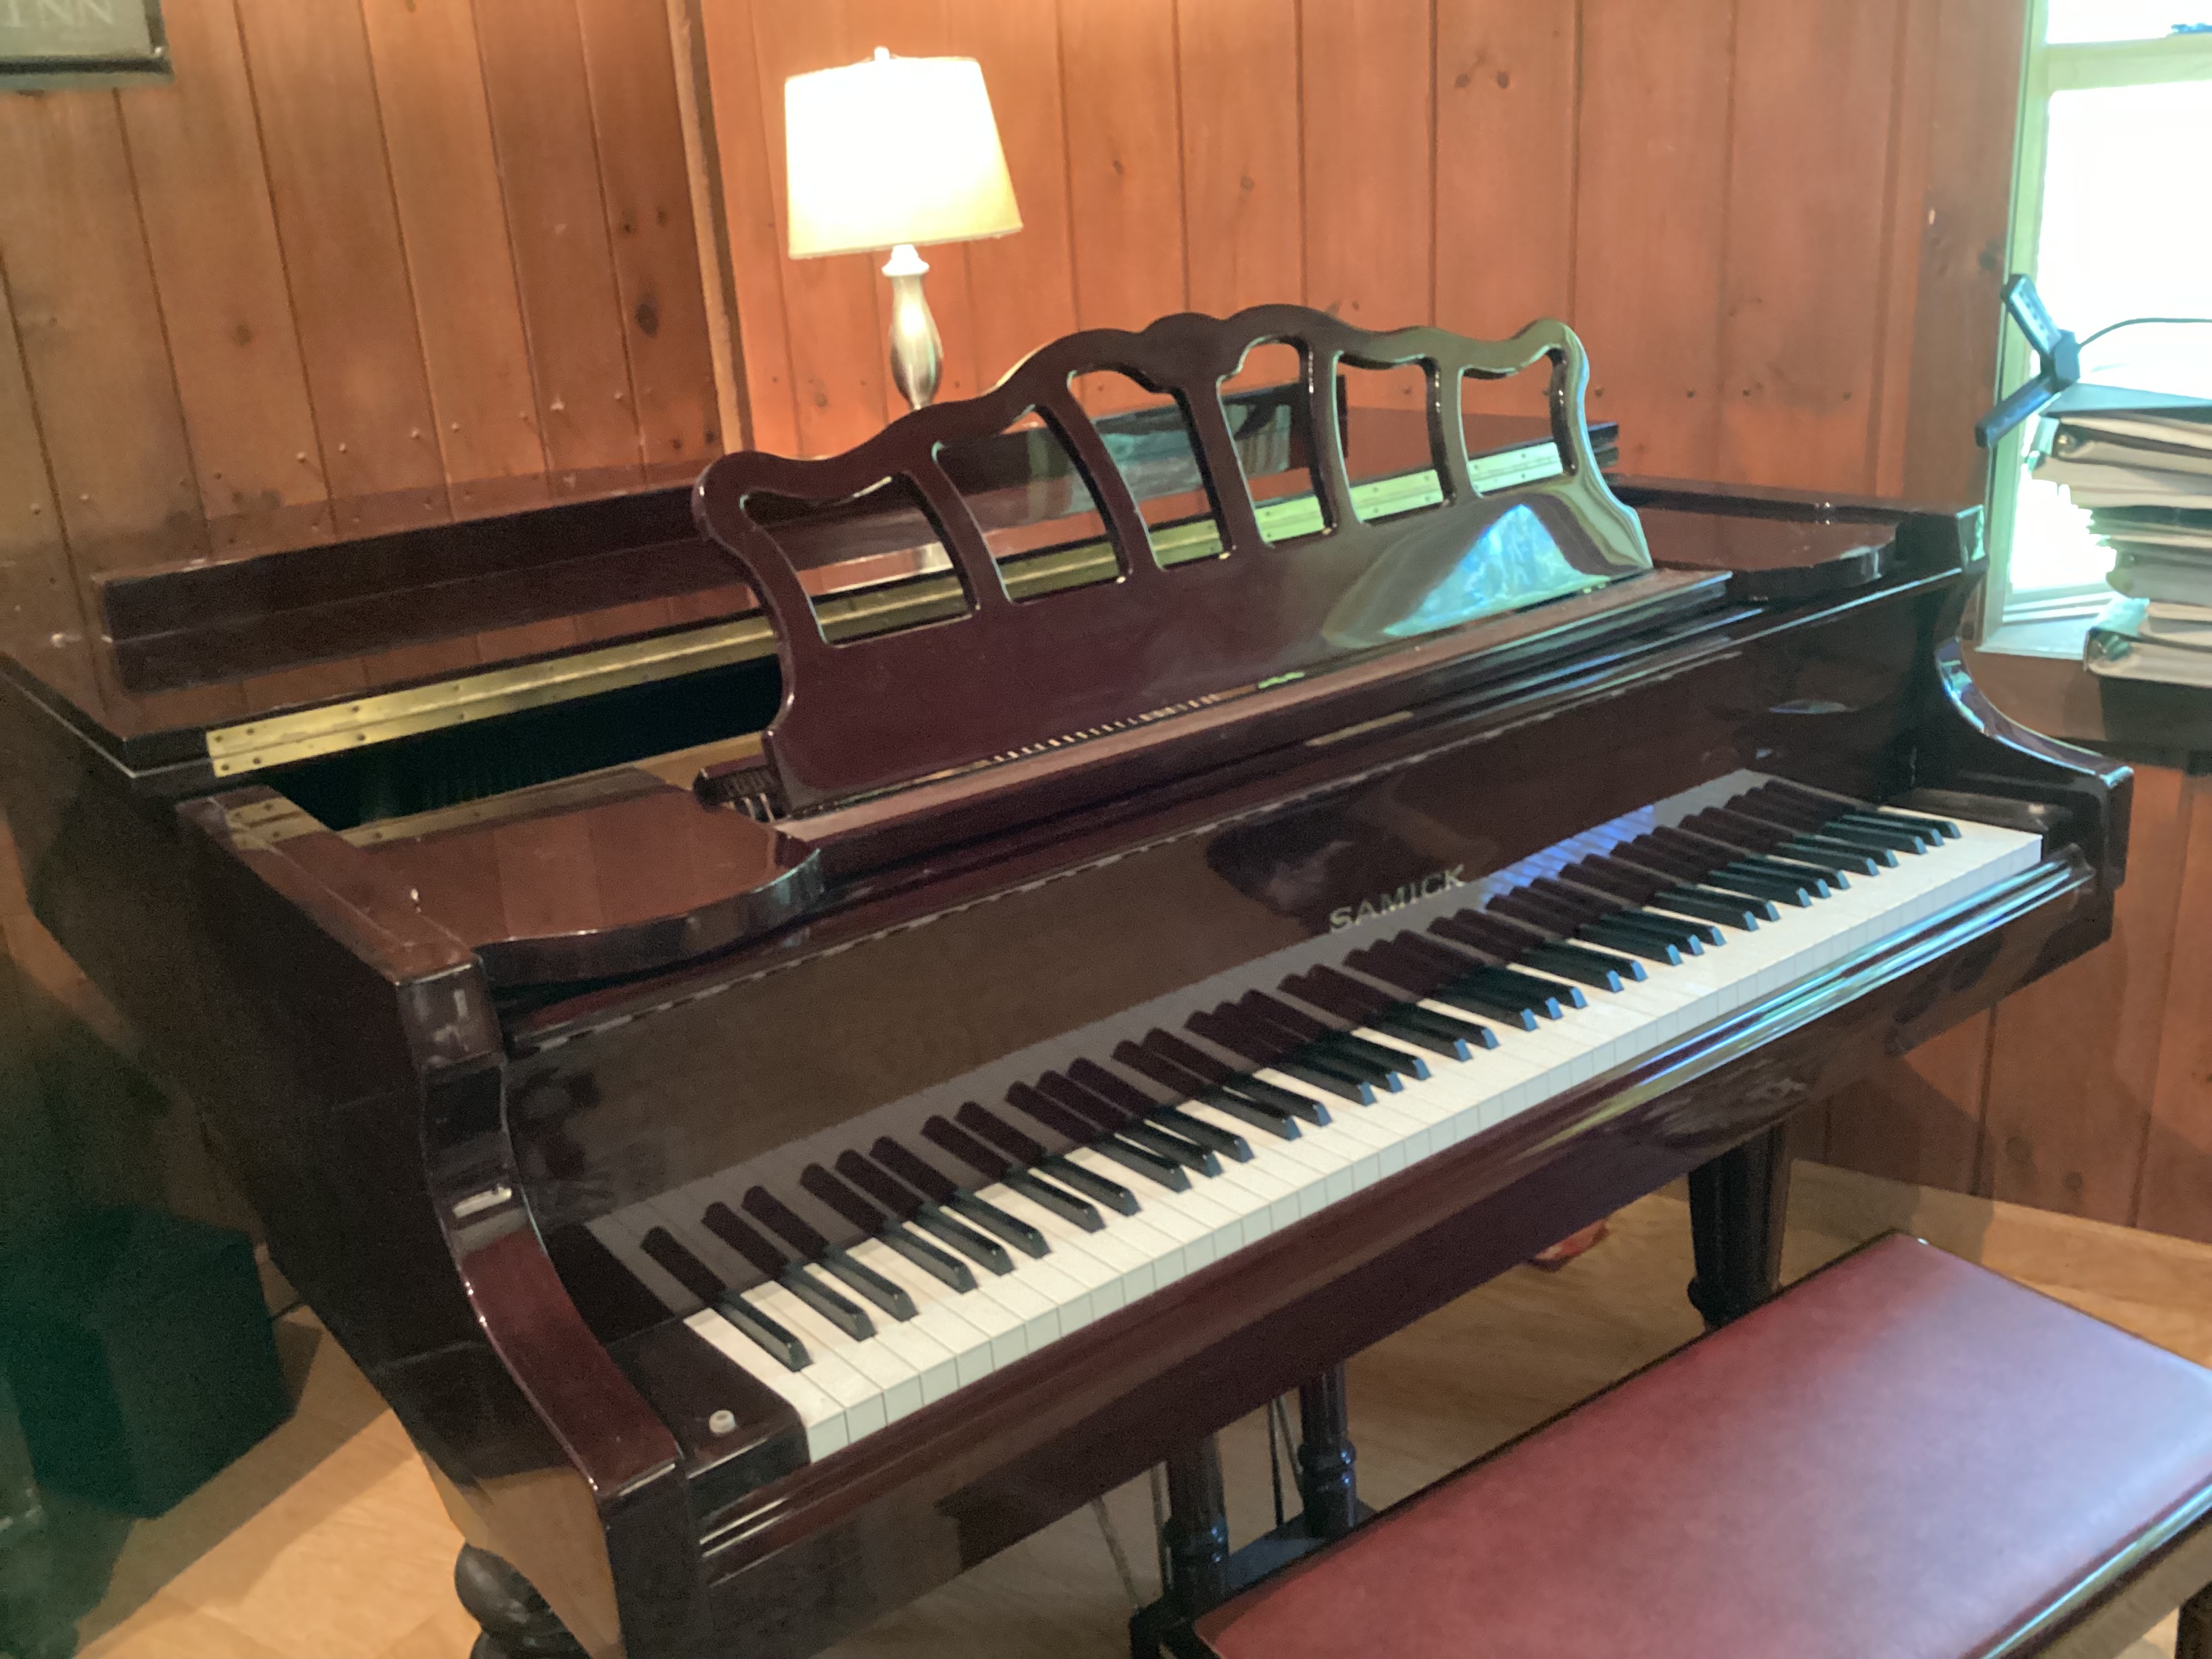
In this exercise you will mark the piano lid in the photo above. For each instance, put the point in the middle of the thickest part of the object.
(1155, 618)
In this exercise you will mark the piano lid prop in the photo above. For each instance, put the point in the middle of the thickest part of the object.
(1004, 676)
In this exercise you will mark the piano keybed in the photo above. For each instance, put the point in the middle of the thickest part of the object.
(995, 1226)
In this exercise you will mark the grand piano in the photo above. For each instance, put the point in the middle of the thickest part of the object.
(1051, 933)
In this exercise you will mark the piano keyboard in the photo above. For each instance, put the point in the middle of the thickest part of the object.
(1184, 1147)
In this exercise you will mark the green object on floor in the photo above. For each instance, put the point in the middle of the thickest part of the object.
(139, 1351)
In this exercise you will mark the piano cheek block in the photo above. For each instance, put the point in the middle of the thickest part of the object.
(749, 878)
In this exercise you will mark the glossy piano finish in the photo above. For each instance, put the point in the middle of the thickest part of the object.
(434, 1053)
(1006, 675)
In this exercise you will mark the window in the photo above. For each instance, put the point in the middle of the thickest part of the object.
(2108, 185)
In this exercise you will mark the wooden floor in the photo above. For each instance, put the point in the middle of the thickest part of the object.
(326, 1539)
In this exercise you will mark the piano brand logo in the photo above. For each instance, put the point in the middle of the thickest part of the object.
(1428, 886)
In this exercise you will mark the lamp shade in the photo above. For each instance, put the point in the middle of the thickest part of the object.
(891, 151)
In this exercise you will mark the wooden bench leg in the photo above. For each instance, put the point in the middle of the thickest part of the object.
(1736, 1207)
(2194, 1640)
(1326, 1456)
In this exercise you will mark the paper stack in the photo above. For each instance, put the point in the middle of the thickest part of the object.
(2142, 466)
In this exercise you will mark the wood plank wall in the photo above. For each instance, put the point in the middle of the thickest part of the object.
(2090, 1091)
(1779, 242)
(367, 263)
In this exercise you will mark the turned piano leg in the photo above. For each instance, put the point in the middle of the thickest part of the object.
(1197, 1531)
(1326, 1458)
(517, 1624)
(1736, 1207)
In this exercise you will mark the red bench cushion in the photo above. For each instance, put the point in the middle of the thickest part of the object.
(1904, 1456)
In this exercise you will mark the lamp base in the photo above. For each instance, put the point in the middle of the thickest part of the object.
(917, 355)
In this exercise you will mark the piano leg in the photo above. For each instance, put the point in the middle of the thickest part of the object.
(1736, 1207)
(517, 1624)
(1326, 1456)
(1198, 1529)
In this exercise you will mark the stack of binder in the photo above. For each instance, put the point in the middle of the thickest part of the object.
(2142, 464)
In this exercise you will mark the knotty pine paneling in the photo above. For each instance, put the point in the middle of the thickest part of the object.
(2176, 1194)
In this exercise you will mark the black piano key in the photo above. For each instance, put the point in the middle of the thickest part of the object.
(1065, 1204)
(941, 1132)
(1115, 1091)
(941, 1265)
(1943, 827)
(1338, 993)
(1514, 993)
(1513, 1012)
(1754, 886)
(1339, 1053)
(976, 1247)
(806, 1243)
(1157, 1170)
(842, 1311)
(1739, 910)
(925, 1179)
(1533, 910)
(878, 1185)
(845, 1314)
(1492, 936)
(764, 1258)
(1746, 831)
(891, 1298)
(1055, 1117)
(1218, 1141)
(1608, 876)
(1396, 1059)
(1580, 904)
(1655, 924)
(1273, 1094)
(1703, 934)
(698, 1279)
(1157, 1068)
(1081, 1101)
(1651, 854)
(1072, 1174)
(1781, 864)
(1196, 1061)
(1852, 835)
(993, 1220)
(685, 1269)
(1237, 1032)
(1878, 858)
(1650, 946)
(1472, 1033)
(1329, 1077)
(1789, 805)
(1395, 1023)
(1173, 1147)
(1000, 1133)
(1811, 880)
(1884, 824)
(1708, 849)
(835, 1195)
(1566, 996)
(1283, 1125)
(1584, 967)
(1834, 861)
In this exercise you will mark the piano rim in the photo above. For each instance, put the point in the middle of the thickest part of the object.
(942, 1447)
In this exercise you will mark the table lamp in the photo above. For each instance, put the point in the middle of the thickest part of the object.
(887, 153)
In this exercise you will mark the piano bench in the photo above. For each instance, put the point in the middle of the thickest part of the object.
(1905, 1455)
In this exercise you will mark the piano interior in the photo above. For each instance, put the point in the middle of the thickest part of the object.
(876, 999)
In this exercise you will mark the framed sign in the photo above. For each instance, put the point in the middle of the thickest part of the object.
(48, 44)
